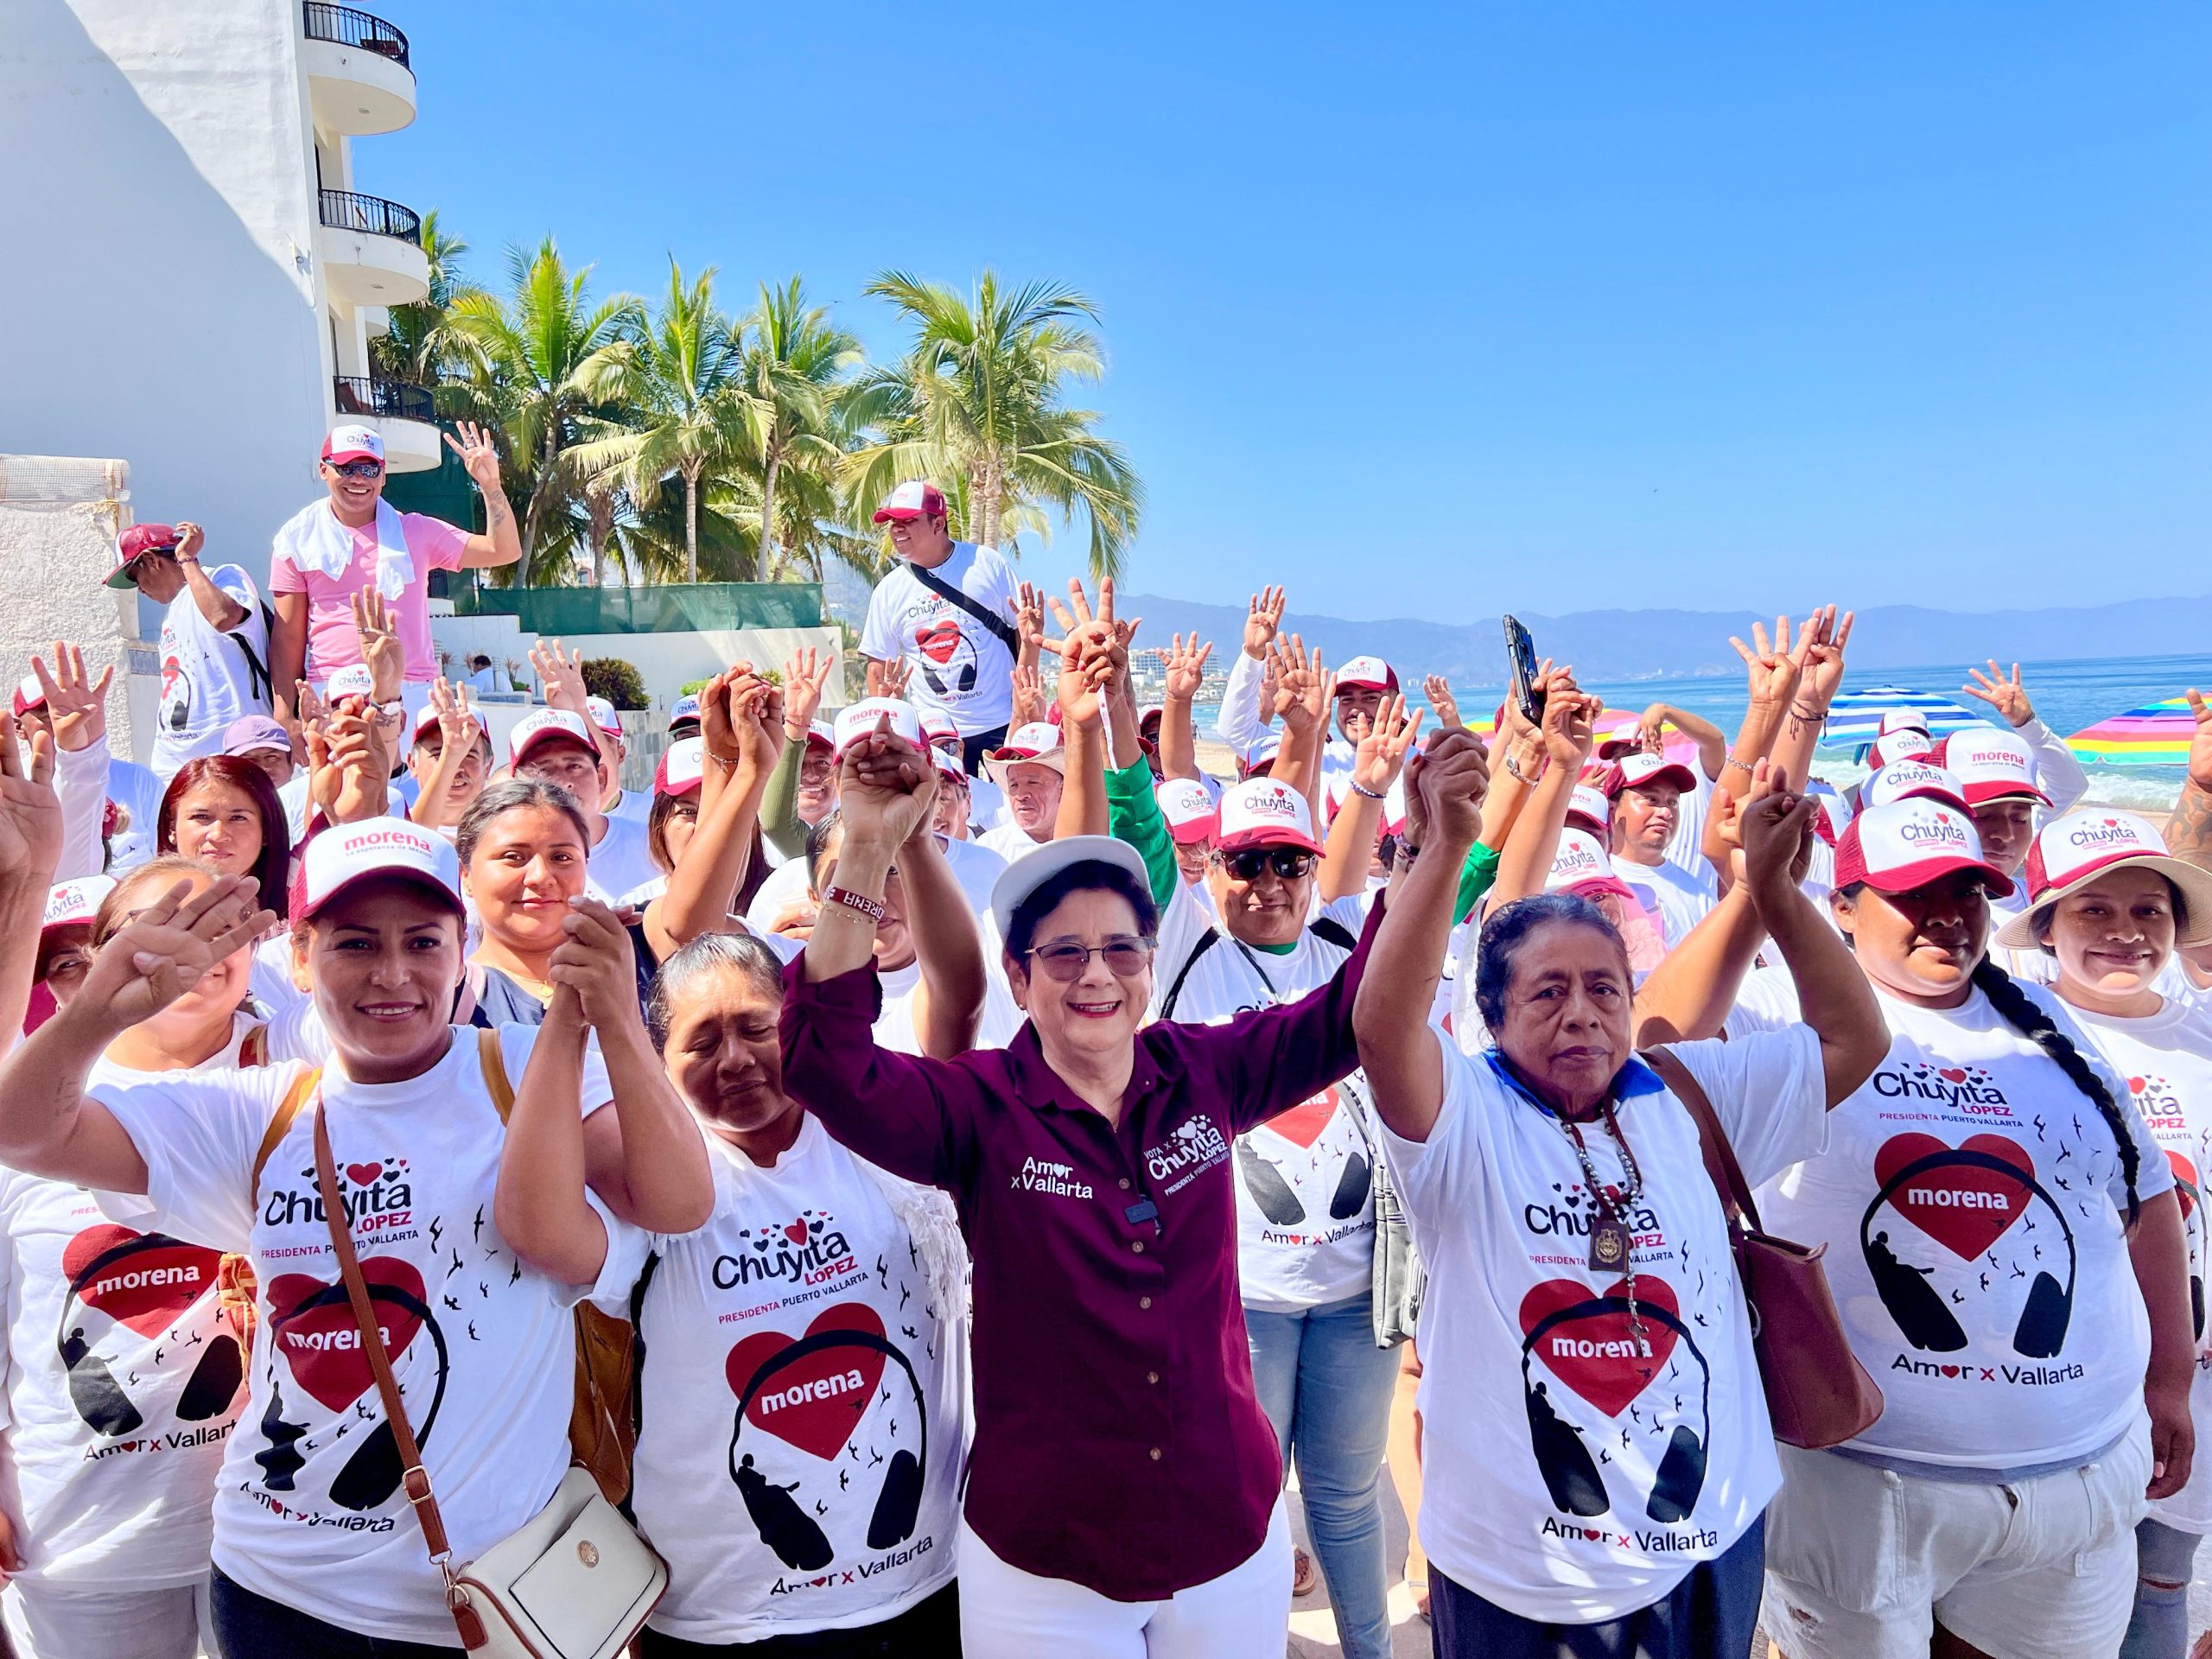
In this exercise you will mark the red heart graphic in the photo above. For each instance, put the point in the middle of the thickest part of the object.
(1596, 1357)
(816, 1401)
(2186, 1176)
(2135, 1085)
(1952, 1074)
(1966, 1209)
(365, 1175)
(1302, 1124)
(796, 1232)
(938, 642)
(146, 1289)
(322, 1344)
(1950, 1371)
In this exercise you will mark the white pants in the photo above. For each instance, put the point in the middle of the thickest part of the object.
(49, 1622)
(1863, 1562)
(1006, 1613)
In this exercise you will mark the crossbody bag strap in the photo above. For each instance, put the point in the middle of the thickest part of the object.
(998, 625)
(1712, 1141)
(1206, 941)
(414, 1477)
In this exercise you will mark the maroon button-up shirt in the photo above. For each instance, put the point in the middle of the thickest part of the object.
(1118, 1441)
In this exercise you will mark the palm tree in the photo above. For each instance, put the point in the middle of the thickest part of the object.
(978, 403)
(415, 349)
(795, 365)
(541, 364)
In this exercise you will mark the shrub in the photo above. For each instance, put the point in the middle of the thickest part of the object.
(619, 682)
(693, 687)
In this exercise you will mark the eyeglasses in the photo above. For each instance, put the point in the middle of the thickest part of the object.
(357, 468)
(1288, 862)
(1065, 961)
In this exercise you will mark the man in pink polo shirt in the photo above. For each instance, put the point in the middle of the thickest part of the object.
(355, 541)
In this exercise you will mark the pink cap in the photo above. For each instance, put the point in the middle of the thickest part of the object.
(535, 730)
(353, 443)
(347, 853)
(1371, 672)
(915, 499)
(1189, 810)
(683, 766)
(948, 764)
(1908, 844)
(1633, 771)
(1908, 780)
(856, 720)
(1993, 766)
(133, 544)
(2071, 852)
(1580, 859)
(937, 729)
(1265, 812)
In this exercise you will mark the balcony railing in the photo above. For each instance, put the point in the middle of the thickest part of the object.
(345, 210)
(360, 394)
(343, 26)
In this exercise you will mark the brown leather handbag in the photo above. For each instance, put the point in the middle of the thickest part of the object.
(1817, 1393)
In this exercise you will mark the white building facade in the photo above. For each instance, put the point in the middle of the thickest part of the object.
(194, 278)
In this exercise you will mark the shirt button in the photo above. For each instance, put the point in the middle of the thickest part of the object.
(1125, 1183)
(1138, 1247)
(1155, 1454)
(1153, 1378)
(1144, 1301)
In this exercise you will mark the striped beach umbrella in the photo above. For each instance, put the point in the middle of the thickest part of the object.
(2156, 734)
(1855, 716)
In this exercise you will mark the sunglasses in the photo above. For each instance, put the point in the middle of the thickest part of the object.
(1288, 862)
(357, 469)
(1065, 960)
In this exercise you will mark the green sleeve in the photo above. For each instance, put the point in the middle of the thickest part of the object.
(1134, 813)
(1475, 878)
(779, 805)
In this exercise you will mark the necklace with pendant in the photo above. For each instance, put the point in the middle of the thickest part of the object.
(1610, 1248)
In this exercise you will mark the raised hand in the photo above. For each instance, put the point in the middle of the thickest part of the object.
(1300, 680)
(479, 456)
(1186, 666)
(30, 812)
(718, 722)
(170, 946)
(190, 538)
(597, 964)
(1821, 657)
(2005, 697)
(561, 675)
(1028, 694)
(1768, 666)
(1450, 778)
(1438, 690)
(890, 678)
(886, 788)
(1651, 729)
(77, 705)
(758, 715)
(1262, 621)
(1514, 727)
(1773, 829)
(1029, 619)
(1570, 722)
(1383, 746)
(380, 648)
(2200, 744)
(1089, 646)
(347, 766)
(805, 672)
(456, 720)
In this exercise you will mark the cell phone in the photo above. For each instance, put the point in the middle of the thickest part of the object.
(1520, 657)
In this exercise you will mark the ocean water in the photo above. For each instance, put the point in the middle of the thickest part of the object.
(2068, 696)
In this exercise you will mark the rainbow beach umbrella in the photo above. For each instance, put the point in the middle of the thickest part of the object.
(2156, 734)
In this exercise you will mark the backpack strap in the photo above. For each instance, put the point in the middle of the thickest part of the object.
(1207, 940)
(253, 1050)
(494, 1060)
(1334, 932)
(301, 1092)
(1002, 630)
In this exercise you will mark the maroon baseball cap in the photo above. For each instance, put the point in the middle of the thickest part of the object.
(135, 543)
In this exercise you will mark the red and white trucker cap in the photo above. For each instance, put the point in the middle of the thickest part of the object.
(1632, 771)
(2071, 852)
(1370, 672)
(1903, 720)
(1907, 744)
(1580, 859)
(915, 499)
(856, 720)
(354, 443)
(937, 731)
(1261, 752)
(347, 853)
(1188, 809)
(1911, 780)
(1908, 844)
(1589, 808)
(683, 764)
(73, 904)
(1264, 812)
(29, 695)
(603, 716)
(1993, 766)
(547, 726)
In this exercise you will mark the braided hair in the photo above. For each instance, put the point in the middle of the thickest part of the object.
(2021, 1012)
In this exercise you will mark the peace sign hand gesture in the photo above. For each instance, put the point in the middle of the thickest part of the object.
(2005, 697)
(30, 812)
(1383, 746)
(171, 946)
(479, 456)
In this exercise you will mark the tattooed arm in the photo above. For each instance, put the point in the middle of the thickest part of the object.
(2189, 834)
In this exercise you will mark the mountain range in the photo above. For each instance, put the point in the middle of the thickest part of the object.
(1618, 645)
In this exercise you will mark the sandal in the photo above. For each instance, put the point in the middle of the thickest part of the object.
(1305, 1576)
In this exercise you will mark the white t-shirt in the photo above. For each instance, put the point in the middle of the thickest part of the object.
(831, 1497)
(482, 1345)
(987, 807)
(1009, 840)
(204, 681)
(1672, 896)
(895, 1025)
(622, 859)
(1304, 1191)
(1953, 1276)
(975, 868)
(1569, 1478)
(962, 669)
(1685, 848)
(635, 807)
(2167, 1061)
(134, 789)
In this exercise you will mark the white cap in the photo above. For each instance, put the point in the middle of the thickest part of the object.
(856, 720)
(1908, 844)
(1590, 804)
(1580, 858)
(1901, 744)
(1261, 750)
(1903, 720)
(354, 680)
(74, 902)
(428, 722)
(683, 766)
(1037, 742)
(29, 695)
(1265, 812)
(2071, 852)
(1368, 672)
(1633, 771)
(1993, 766)
(1048, 858)
(347, 853)
(543, 726)
(948, 763)
(914, 498)
(685, 708)
(1905, 780)
(936, 729)
(603, 716)
(353, 443)
(1187, 808)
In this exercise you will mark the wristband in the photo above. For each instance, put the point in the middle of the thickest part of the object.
(871, 908)
(1363, 793)
(1732, 761)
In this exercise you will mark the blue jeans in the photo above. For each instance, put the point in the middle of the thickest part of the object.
(2159, 1627)
(1326, 1388)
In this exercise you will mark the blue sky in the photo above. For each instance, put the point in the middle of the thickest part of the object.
(1439, 310)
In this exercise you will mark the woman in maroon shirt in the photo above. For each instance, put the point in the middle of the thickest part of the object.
(1122, 1498)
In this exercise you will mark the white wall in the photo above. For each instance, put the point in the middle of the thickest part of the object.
(666, 662)
(159, 301)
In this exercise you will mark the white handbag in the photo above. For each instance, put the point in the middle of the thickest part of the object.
(575, 1583)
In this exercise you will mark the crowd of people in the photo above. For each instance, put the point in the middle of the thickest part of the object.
(996, 1153)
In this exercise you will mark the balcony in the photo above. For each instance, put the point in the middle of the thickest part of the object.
(359, 77)
(369, 249)
(404, 414)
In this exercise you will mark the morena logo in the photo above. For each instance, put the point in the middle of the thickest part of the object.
(362, 841)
